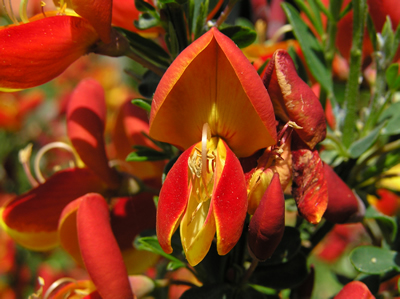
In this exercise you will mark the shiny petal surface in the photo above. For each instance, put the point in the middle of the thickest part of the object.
(32, 218)
(293, 99)
(100, 251)
(355, 289)
(309, 186)
(98, 13)
(173, 200)
(86, 113)
(37, 52)
(268, 222)
(228, 95)
(343, 205)
(229, 201)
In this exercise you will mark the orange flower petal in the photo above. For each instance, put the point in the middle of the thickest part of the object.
(86, 113)
(212, 82)
(32, 218)
(36, 52)
(293, 99)
(100, 251)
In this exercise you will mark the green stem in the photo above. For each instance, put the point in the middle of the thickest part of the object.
(250, 270)
(352, 88)
(155, 69)
(225, 13)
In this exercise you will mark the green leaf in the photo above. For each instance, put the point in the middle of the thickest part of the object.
(151, 244)
(387, 224)
(362, 145)
(311, 48)
(143, 6)
(142, 103)
(392, 76)
(242, 36)
(314, 17)
(147, 48)
(146, 21)
(374, 260)
(372, 32)
(144, 153)
(173, 265)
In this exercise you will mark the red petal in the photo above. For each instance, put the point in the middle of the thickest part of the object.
(355, 289)
(173, 200)
(228, 95)
(98, 13)
(309, 184)
(100, 252)
(36, 52)
(268, 222)
(32, 218)
(229, 201)
(343, 205)
(293, 99)
(86, 113)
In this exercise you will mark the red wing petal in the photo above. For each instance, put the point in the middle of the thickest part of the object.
(32, 218)
(86, 113)
(173, 200)
(229, 201)
(100, 251)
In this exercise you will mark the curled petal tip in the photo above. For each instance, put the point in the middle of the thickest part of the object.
(293, 99)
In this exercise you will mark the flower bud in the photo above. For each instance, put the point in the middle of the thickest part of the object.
(355, 289)
(268, 222)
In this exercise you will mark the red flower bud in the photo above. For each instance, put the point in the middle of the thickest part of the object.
(268, 223)
(343, 205)
(355, 289)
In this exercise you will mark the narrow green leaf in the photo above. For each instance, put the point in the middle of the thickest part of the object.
(151, 244)
(146, 21)
(372, 32)
(360, 146)
(143, 6)
(387, 224)
(392, 76)
(325, 11)
(142, 103)
(311, 48)
(374, 260)
(242, 36)
(145, 154)
(314, 18)
(262, 289)
(172, 265)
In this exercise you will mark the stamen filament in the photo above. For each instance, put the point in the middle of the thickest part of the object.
(205, 136)
(24, 156)
(22, 11)
(56, 284)
(9, 11)
(46, 148)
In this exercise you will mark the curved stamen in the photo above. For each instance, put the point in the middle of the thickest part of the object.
(56, 284)
(46, 148)
(22, 11)
(9, 11)
(24, 157)
(205, 136)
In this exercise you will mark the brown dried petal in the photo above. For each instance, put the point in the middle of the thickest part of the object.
(309, 186)
(293, 99)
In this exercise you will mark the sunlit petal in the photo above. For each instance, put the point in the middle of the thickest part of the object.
(228, 95)
(36, 52)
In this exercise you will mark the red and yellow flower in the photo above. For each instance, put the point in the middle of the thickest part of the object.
(216, 117)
